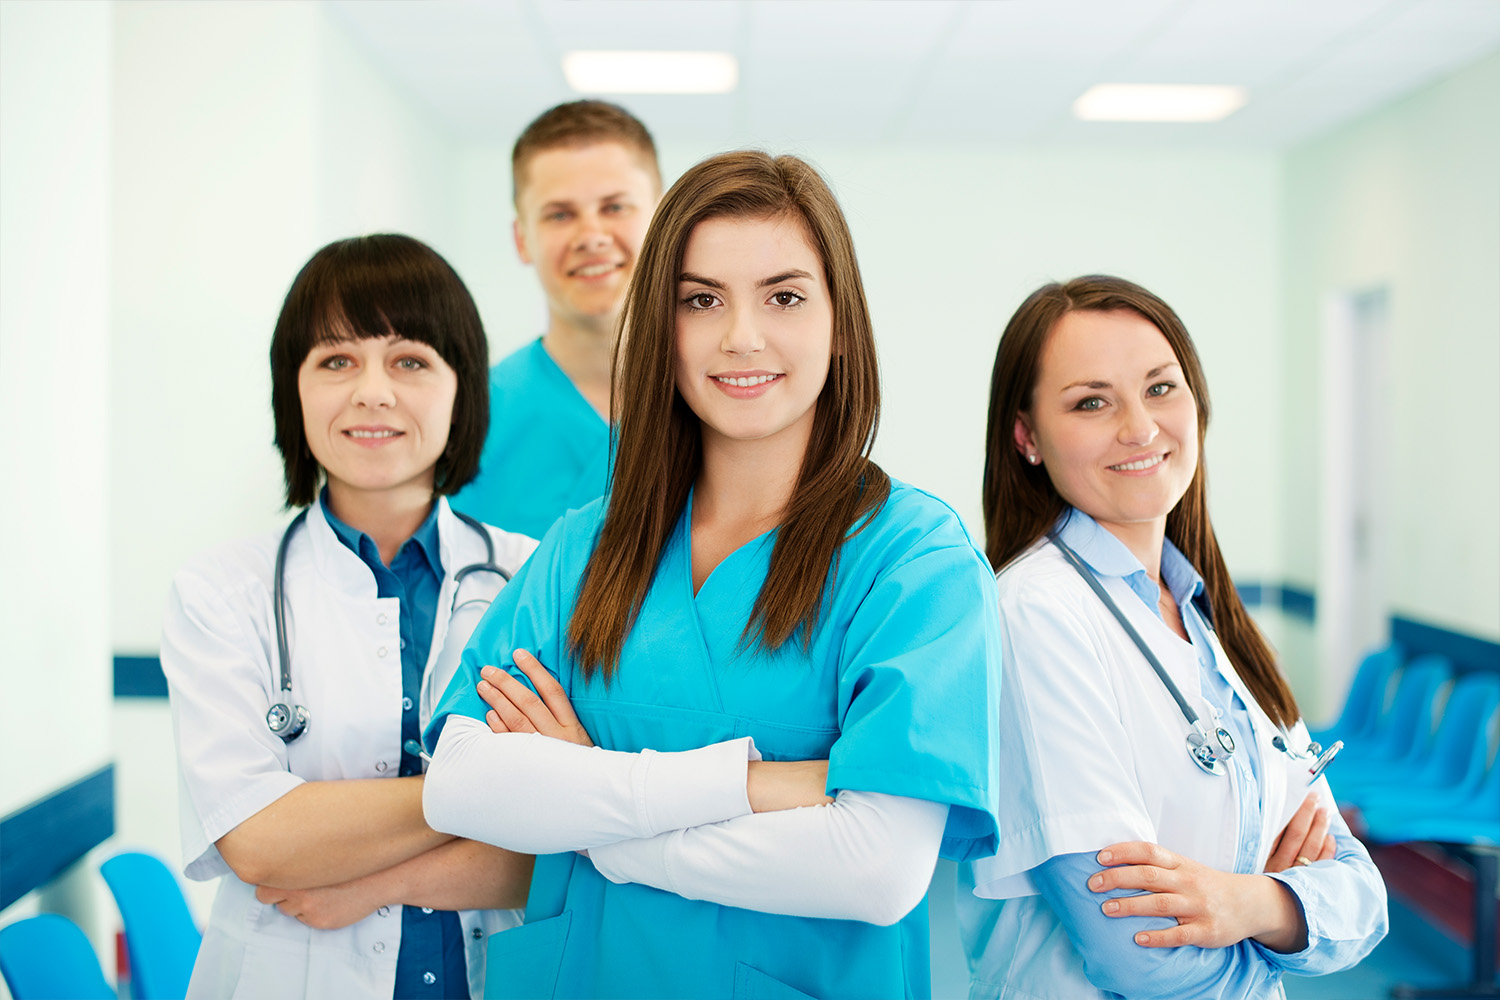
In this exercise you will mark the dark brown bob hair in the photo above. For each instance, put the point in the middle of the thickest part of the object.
(373, 286)
(576, 124)
(659, 444)
(1021, 504)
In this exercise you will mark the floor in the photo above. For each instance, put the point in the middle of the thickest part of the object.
(1414, 952)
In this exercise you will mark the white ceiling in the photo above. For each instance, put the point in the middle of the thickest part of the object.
(946, 71)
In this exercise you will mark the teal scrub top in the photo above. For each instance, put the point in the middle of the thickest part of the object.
(547, 450)
(898, 690)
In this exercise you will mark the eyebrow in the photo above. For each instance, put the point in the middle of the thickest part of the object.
(687, 277)
(1101, 384)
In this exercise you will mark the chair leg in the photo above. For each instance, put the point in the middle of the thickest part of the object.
(1486, 862)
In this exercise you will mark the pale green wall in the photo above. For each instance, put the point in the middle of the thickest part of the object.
(1408, 197)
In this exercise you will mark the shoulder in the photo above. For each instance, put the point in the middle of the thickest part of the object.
(1040, 593)
(518, 368)
(231, 568)
(913, 521)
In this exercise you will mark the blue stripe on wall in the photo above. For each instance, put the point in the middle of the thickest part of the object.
(1466, 652)
(38, 842)
(139, 677)
(1293, 601)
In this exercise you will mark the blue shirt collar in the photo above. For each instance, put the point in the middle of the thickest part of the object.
(1106, 555)
(424, 539)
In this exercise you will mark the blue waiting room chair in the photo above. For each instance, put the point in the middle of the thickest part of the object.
(47, 957)
(160, 936)
(1403, 731)
(1366, 699)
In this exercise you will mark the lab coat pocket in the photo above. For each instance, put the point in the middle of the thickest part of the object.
(524, 961)
(752, 984)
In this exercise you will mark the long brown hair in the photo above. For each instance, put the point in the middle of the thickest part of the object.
(1021, 504)
(658, 439)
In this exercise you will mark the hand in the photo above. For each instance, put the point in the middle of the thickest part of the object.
(515, 709)
(327, 908)
(786, 784)
(1306, 837)
(1213, 909)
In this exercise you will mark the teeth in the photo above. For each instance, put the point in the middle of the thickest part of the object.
(745, 383)
(1144, 463)
(594, 270)
(372, 434)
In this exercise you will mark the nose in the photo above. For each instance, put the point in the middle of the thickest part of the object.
(742, 335)
(592, 234)
(374, 388)
(1137, 426)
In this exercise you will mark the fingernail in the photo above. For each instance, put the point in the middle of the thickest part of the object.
(487, 672)
(518, 652)
(1111, 907)
(1096, 882)
(1142, 938)
(1105, 857)
(483, 686)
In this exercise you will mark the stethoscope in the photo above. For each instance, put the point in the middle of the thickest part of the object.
(1208, 755)
(287, 719)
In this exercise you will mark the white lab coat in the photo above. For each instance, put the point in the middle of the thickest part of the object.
(219, 656)
(1094, 754)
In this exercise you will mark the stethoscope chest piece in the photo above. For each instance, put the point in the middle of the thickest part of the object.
(1204, 755)
(286, 721)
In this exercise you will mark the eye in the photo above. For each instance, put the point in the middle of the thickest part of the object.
(1089, 404)
(336, 363)
(557, 215)
(700, 301)
(1161, 389)
(411, 364)
(613, 208)
(788, 299)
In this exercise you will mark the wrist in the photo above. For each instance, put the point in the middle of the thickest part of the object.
(1283, 926)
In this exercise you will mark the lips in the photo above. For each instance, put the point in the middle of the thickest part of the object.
(595, 270)
(1140, 464)
(371, 433)
(744, 381)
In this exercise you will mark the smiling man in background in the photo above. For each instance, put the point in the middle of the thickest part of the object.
(586, 181)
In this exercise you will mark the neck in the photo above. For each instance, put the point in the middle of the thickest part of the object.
(1144, 539)
(389, 517)
(584, 349)
(748, 482)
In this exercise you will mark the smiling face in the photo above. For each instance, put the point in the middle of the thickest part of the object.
(376, 412)
(1112, 420)
(581, 213)
(754, 330)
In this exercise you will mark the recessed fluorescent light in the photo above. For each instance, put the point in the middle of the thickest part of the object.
(1158, 102)
(651, 72)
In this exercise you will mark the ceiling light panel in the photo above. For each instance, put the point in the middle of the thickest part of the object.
(617, 72)
(1158, 102)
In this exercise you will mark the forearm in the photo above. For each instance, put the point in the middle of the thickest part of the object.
(529, 793)
(866, 857)
(459, 875)
(325, 833)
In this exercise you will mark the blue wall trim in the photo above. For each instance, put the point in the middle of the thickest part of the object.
(38, 842)
(1465, 652)
(1293, 601)
(139, 677)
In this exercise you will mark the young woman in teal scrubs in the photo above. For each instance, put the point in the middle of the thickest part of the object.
(753, 589)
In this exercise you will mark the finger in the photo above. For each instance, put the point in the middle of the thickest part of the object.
(269, 894)
(496, 724)
(515, 720)
(1330, 849)
(1290, 843)
(1150, 904)
(1148, 877)
(552, 694)
(1169, 937)
(1312, 845)
(1138, 852)
(525, 699)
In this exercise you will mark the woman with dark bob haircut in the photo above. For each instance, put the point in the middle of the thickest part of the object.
(1153, 843)
(303, 664)
(753, 616)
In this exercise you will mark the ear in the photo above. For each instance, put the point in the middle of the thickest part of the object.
(520, 238)
(1025, 439)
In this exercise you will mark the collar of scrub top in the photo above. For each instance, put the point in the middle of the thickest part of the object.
(1200, 749)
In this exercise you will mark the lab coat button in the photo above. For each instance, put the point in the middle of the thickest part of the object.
(428, 978)
(384, 911)
(381, 651)
(406, 704)
(403, 643)
(426, 909)
(381, 619)
(381, 765)
(379, 947)
(477, 933)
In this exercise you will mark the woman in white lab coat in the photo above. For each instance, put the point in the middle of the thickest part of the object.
(298, 784)
(1129, 865)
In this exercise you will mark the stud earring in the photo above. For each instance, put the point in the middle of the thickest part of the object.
(1033, 458)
